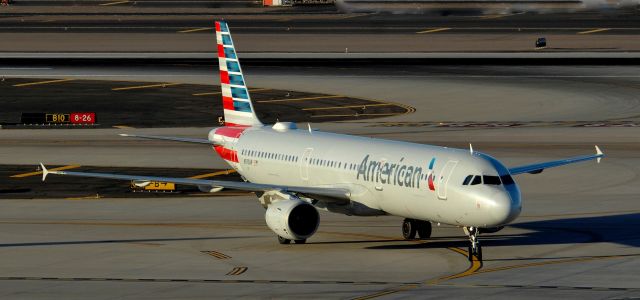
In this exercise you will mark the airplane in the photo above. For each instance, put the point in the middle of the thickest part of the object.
(295, 172)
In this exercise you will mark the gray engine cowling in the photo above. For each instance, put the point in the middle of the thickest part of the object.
(292, 219)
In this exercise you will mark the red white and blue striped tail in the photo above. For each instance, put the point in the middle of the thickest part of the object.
(238, 109)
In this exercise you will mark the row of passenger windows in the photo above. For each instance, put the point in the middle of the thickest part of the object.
(270, 155)
(293, 158)
(488, 179)
(332, 164)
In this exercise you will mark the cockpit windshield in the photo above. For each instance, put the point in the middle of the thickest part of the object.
(492, 180)
(488, 179)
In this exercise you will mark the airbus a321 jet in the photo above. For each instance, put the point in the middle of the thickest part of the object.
(294, 172)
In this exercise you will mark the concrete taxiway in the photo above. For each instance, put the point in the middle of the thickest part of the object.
(129, 28)
(577, 237)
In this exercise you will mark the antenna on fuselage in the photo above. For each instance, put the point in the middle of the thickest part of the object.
(309, 126)
(470, 148)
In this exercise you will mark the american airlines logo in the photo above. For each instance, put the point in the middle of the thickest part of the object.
(398, 174)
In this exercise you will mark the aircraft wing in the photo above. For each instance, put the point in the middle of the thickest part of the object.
(539, 167)
(340, 195)
(169, 138)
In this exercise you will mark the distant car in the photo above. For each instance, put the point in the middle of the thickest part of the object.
(541, 43)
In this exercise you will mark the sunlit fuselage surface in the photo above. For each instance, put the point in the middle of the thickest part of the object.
(385, 177)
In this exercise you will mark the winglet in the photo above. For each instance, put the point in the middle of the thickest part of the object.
(599, 152)
(470, 148)
(45, 172)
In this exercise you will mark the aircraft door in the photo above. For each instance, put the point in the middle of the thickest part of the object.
(443, 179)
(304, 164)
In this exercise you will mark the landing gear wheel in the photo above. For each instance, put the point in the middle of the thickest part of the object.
(409, 229)
(283, 241)
(300, 241)
(424, 229)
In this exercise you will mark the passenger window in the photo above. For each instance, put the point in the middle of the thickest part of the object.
(467, 180)
(476, 180)
(492, 180)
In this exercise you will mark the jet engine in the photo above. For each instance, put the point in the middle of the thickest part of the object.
(292, 219)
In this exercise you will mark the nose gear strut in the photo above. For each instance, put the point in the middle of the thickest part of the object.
(474, 247)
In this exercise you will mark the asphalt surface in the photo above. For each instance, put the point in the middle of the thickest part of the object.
(169, 104)
(617, 22)
(311, 30)
(25, 182)
(576, 238)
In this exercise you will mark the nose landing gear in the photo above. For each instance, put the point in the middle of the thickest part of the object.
(474, 248)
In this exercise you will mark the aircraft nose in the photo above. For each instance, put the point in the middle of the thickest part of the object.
(506, 207)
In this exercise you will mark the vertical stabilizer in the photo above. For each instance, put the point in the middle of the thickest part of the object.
(236, 101)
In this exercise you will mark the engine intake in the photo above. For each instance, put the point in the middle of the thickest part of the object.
(292, 219)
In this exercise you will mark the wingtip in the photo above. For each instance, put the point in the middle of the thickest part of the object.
(599, 152)
(45, 172)
(124, 134)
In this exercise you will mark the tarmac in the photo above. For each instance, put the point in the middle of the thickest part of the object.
(575, 239)
(78, 239)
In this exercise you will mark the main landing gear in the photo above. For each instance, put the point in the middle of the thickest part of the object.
(410, 227)
(474, 248)
(284, 241)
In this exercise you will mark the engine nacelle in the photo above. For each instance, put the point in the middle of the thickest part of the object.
(210, 189)
(292, 219)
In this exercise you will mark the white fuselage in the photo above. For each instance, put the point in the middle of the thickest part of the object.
(398, 178)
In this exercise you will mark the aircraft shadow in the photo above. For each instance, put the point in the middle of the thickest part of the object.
(62, 243)
(618, 229)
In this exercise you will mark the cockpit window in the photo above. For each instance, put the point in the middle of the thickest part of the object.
(467, 180)
(476, 180)
(492, 180)
(506, 179)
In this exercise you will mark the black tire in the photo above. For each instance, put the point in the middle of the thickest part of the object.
(424, 229)
(470, 251)
(283, 241)
(409, 229)
(300, 241)
(479, 253)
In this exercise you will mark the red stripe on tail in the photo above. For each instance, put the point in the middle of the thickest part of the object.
(224, 77)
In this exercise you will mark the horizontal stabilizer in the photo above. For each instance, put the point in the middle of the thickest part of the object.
(168, 138)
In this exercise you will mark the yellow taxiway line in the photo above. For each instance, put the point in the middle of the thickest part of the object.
(225, 172)
(206, 94)
(218, 93)
(40, 172)
(237, 271)
(114, 3)
(143, 86)
(433, 30)
(301, 99)
(594, 30)
(96, 197)
(364, 106)
(195, 29)
(355, 115)
(41, 82)
(216, 254)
